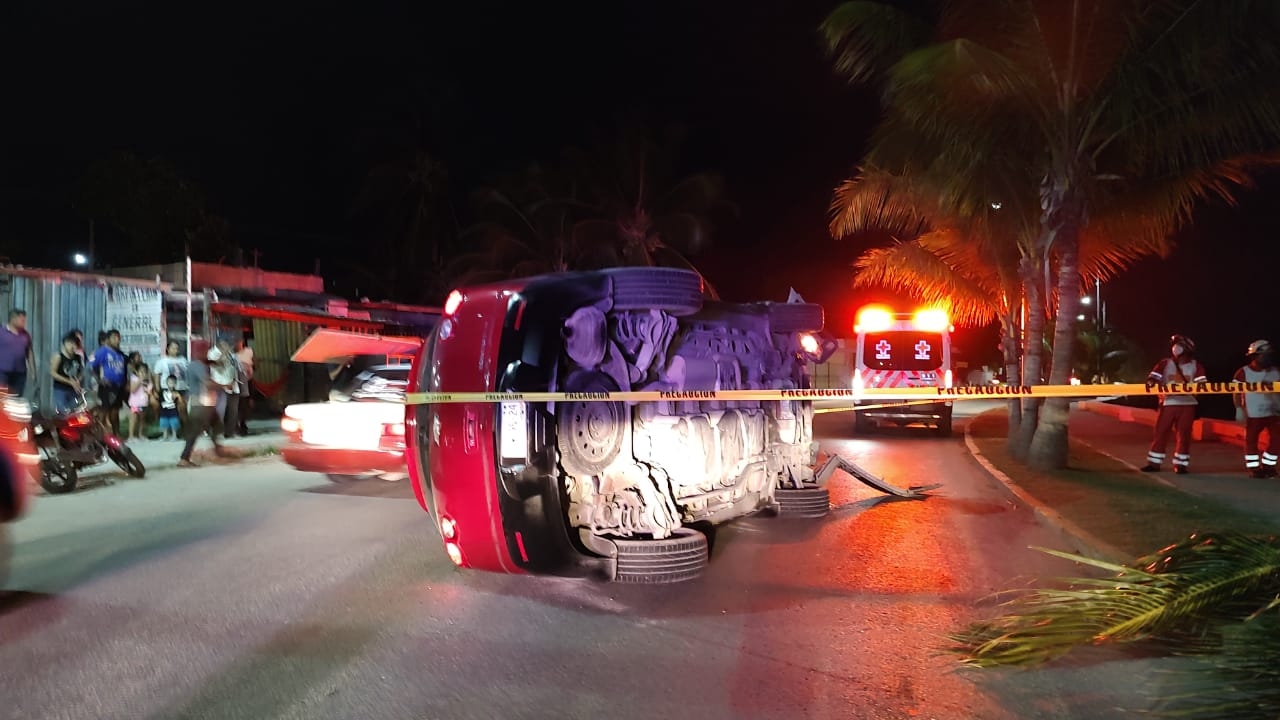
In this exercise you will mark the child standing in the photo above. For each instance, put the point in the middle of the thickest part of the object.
(170, 408)
(140, 394)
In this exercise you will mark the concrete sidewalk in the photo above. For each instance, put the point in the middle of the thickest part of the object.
(1217, 467)
(264, 436)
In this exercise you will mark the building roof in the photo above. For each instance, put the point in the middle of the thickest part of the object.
(82, 278)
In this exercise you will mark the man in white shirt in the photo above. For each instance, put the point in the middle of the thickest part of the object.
(206, 393)
(222, 371)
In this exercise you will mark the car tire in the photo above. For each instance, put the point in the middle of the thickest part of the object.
(679, 558)
(57, 477)
(943, 428)
(861, 424)
(672, 290)
(805, 502)
(14, 479)
(795, 317)
(590, 435)
(345, 479)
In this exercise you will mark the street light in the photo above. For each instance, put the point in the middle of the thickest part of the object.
(1086, 300)
(1080, 318)
(81, 259)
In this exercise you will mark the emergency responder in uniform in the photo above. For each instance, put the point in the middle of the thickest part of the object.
(1259, 411)
(1177, 412)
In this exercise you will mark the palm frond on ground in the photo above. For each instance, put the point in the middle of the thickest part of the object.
(1240, 682)
(1177, 598)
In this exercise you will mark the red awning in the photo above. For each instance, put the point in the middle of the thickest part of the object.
(325, 345)
(300, 316)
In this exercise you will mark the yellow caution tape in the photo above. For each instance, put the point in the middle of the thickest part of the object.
(921, 394)
(877, 406)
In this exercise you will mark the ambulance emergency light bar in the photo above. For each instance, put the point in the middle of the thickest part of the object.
(876, 318)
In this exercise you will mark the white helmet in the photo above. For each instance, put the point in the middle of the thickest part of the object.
(1257, 347)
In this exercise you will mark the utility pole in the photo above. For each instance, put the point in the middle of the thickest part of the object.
(1099, 315)
(255, 253)
(91, 244)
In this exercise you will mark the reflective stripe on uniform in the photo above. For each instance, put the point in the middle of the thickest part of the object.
(1181, 459)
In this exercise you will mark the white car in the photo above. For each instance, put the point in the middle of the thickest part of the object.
(359, 432)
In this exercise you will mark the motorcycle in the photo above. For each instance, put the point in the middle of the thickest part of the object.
(71, 441)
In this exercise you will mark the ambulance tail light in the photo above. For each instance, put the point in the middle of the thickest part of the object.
(947, 379)
(858, 383)
(931, 320)
(873, 319)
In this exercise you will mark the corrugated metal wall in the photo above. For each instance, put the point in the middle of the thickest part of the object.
(54, 308)
(274, 342)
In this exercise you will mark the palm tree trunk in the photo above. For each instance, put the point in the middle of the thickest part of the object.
(1010, 329)
(1049, 447)
(1032, 357)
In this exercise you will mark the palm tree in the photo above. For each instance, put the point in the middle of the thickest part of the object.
(1125, 112)
(968, 266)
(524, 227)
(1212, 597)
(632, 208)
(974, 266)
(404, 203)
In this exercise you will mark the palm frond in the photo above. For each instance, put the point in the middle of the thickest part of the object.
(686, 232)
(865, 38)
(1195, 85)
(1172, 594)
(961, 90)
(698, 193)
(911, 268)
(1137, 219)
(878, 201)
(1240, 682)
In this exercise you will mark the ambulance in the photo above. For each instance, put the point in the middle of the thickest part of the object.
(902, 350)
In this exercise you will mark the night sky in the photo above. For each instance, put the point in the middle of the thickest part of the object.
(276, 110)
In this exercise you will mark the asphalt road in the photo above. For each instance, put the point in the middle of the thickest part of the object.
(253, 591)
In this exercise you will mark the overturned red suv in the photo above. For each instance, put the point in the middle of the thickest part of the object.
(610, 490)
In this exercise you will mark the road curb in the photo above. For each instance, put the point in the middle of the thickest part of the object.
(1084, 542)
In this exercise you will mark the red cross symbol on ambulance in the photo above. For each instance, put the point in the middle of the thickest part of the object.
(922, 350)
(882, 350)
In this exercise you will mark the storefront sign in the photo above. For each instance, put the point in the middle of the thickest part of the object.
(138, 313)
